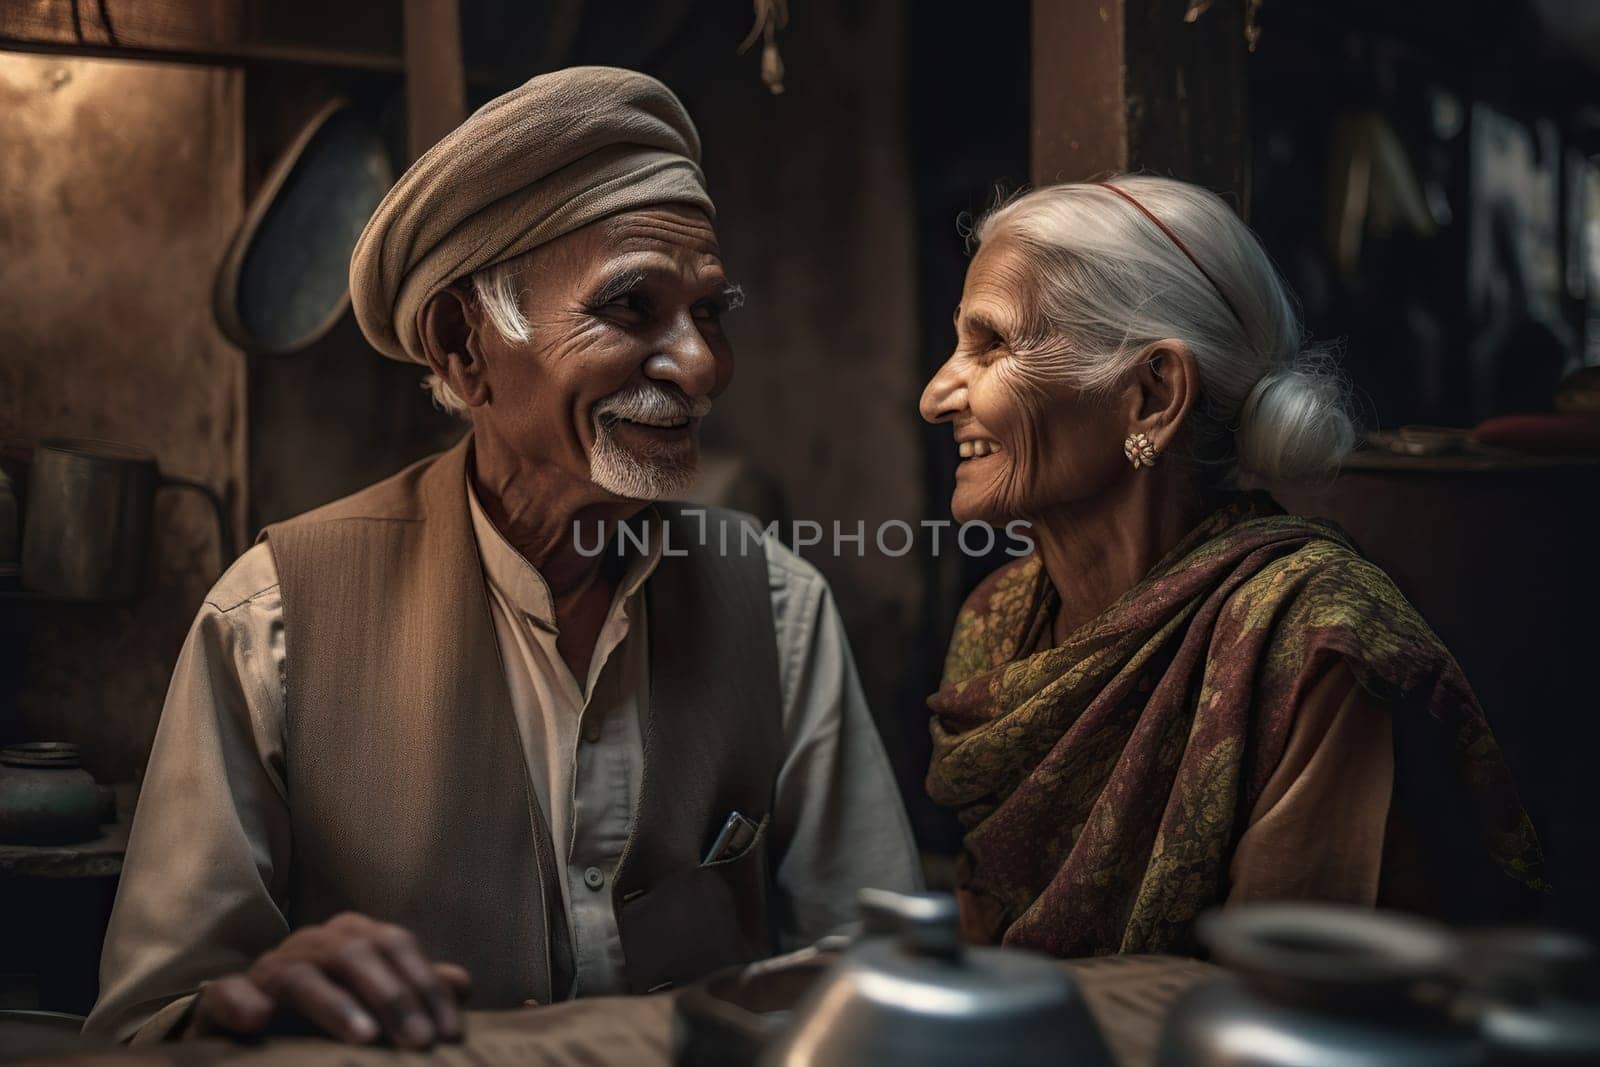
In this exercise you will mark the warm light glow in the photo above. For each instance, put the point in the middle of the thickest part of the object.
(48, 92)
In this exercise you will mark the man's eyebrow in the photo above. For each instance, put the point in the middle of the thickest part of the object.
(618, 285)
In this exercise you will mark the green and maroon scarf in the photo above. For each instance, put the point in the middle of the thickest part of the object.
(1103, 783)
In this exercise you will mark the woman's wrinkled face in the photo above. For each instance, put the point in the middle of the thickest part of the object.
(1029, 442)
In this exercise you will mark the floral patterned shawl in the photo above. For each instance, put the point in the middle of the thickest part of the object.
(1104, 782)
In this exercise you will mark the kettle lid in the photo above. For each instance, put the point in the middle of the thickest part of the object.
(914, 940)
(909, 992)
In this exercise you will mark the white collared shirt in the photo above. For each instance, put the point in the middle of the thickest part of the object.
(584, 743)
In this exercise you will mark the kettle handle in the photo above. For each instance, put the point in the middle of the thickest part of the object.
(926, 924)
(225, 545)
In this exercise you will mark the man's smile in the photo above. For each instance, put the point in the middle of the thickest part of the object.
(663, 432)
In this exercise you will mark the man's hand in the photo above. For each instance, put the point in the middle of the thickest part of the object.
(353, 977)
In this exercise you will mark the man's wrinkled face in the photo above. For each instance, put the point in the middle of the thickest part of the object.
(1029, 441)
(625, 352)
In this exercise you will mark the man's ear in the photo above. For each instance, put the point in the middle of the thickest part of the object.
(1164, 387)
(452, 344)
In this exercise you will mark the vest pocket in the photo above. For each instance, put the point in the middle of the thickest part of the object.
(756, 842)
(741, 887)
(699, 920)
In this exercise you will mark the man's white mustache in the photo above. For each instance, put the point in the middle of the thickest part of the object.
(652, 403)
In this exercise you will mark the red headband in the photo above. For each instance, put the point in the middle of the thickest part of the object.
(1164, 228)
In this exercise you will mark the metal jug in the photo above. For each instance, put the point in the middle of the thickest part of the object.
(1321, 986)
(87, 519)
(908, 992)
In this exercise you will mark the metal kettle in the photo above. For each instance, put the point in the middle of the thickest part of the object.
(1321, 986)
(908, 992)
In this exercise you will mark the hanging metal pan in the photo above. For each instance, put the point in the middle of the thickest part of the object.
(285, 279)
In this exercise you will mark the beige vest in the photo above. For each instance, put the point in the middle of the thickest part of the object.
(409, 795)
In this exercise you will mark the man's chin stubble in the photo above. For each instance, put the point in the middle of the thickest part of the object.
(635, 476)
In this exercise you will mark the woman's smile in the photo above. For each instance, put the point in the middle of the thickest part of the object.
(978, 448)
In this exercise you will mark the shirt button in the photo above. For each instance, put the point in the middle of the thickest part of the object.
(594, 878)
(591, 732)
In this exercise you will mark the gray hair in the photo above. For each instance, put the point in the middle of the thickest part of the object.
(495, 289)
(1110, 284)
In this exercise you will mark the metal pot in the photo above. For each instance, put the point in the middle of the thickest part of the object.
(88, 518)
(45, 798)
(285, 279)
(908, 992)
(1536, 996)
(731, 1016)
(1320, 986)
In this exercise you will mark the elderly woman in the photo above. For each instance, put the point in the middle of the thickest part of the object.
(1183, 696)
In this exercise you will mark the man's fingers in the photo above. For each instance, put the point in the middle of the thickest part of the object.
(352, 977)
(233, 1004)
(456, 977)
(401, 950)
(385, 990)
(305, 989)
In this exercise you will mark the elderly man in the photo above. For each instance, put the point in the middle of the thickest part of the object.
(419, 737)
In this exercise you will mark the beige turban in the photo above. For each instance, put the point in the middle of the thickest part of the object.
(555, 154)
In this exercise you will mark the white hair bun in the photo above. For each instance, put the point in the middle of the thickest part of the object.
(1294, 424)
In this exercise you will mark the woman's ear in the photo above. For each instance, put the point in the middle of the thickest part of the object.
(1165, 386)
(451, 343)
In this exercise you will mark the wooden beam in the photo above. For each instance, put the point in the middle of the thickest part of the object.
(436, 91)
(1079, 108)
(353, 36)
(1150, 85)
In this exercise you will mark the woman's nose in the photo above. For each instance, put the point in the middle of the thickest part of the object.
(946, 394)
(685, 360)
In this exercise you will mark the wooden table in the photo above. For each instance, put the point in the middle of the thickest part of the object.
(1128, 995)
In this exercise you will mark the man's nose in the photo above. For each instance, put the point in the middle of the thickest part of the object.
(946, 395)
(685, 360)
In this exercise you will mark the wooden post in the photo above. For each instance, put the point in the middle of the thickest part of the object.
(436, 91)
(1143, 85)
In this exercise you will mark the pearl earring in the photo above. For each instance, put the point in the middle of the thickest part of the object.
(1139, 449)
